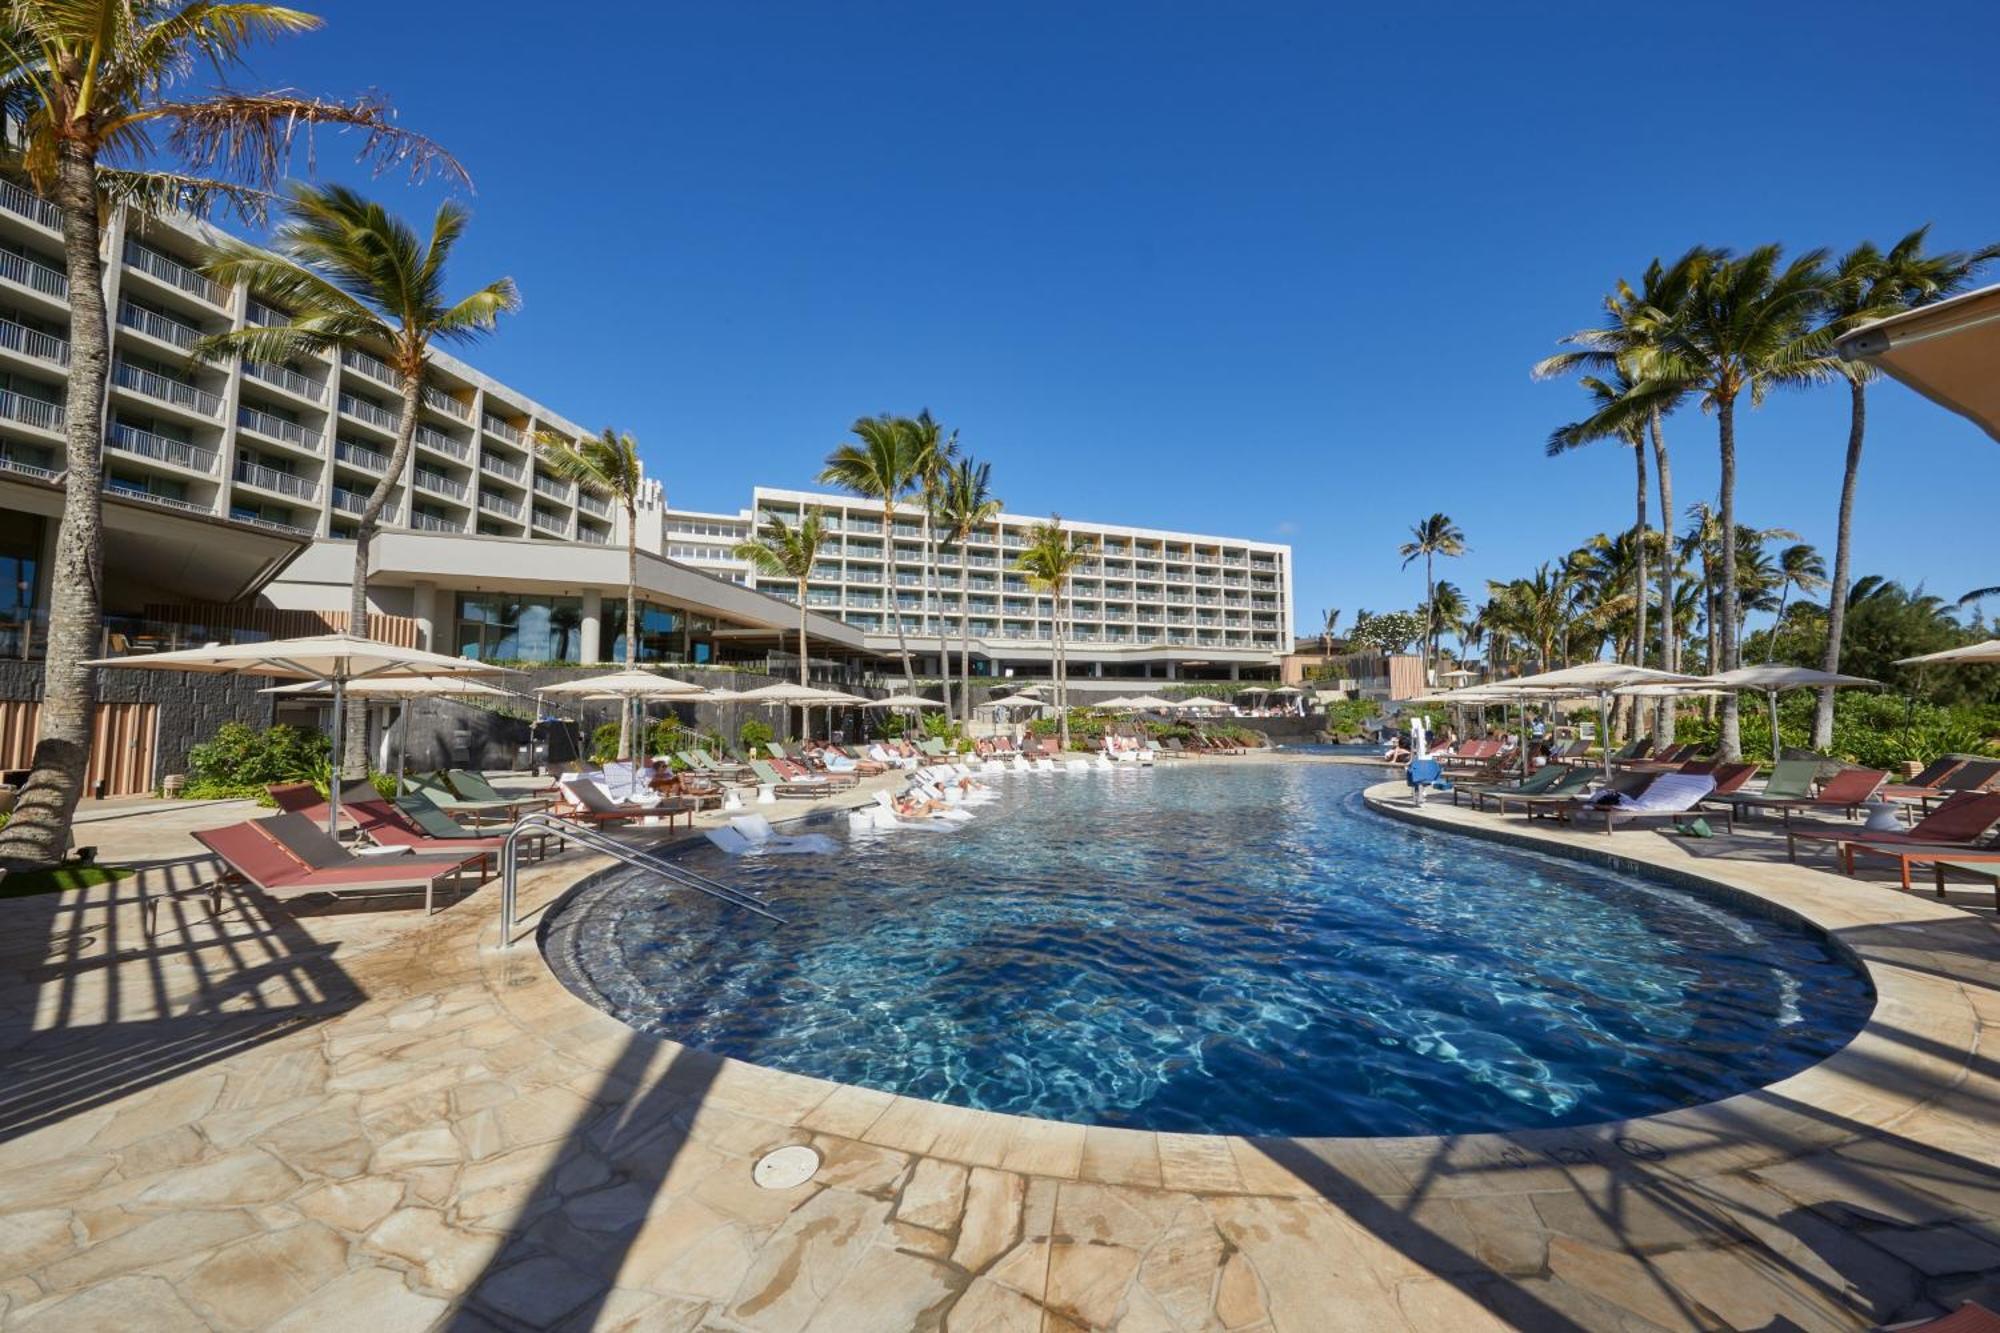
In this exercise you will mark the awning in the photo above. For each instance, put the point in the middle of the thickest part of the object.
(1948, 352)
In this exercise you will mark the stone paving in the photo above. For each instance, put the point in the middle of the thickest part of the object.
(294, 1118)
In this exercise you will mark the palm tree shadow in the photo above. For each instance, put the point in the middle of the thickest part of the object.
(561, 1261)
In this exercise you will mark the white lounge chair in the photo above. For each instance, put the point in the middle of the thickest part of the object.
(757, 831)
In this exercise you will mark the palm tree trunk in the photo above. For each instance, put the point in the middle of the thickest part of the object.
(965, 631)
(931, 577)
(805, 717)
(37, 833)
(1639, 535)
(1670, 646)
(1430, 620)
(1843, 543)
(1062, 669)
(354, 744)
(1730, 738)
(625, 736)
(895, 596)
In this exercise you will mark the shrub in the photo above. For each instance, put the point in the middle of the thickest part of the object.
(1871, 729)
(239, 761)
(754, 734)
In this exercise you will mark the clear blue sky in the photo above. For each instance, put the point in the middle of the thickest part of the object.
(1274, 270)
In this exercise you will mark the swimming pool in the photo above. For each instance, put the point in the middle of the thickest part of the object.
(1220, 948)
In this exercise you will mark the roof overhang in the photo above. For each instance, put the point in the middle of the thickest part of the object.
(1948, 352)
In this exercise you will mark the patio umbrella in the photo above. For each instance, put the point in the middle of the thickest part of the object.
(902, 701)
(1772, 677)
(1988, 651)
(1142, 702)
(1600, 678)
(802, 697)
(632, 687)
(1946, 352)
(337, 659)
(403, 691)
(1114, 703)
(1201, 701)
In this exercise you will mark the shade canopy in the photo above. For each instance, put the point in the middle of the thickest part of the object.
(904, 701)
(1200, 701)
(1598, 677)
(413, 687)
(1776, 676)
(1027, 691)
(1948, 352)
(1149, 701)
(1670, 691)
(627, 685)
(809, 696)
(1115, 701)
(343, 657)
(1459, 673)
(1988, 651)
(1285, 689)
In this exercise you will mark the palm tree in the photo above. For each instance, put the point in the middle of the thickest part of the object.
(1629, 430)
(348, 273)
(965, 505)
(610, 462)
(1746, 327)
(786, 551)
(1435, 536)
(1447, 609)
(1050, 560)
(99, 116)
(1329, 625)
(880, 464)
(1869, 285)
(1626, 346)
(935, 451)
(1799, 566)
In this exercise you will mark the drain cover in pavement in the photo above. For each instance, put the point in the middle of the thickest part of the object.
(783, 1168)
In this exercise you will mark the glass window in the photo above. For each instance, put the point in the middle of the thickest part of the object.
(661, 637)
(497, 627)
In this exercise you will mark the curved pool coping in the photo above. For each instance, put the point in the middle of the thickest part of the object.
(1916, 1046)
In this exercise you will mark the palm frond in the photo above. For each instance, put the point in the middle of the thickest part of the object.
(253, 136)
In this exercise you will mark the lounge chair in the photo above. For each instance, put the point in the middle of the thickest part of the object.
(1846, 791)
(593, 805)
(754, 833)
(1668, 796)
(789, 788)
(472, 786)
(1635, 749)
(285, 856)
(1984, 867)
(1535, 784)
(384, 824)
(1956, 826)
(1559, 799)
(1925, 782)
(1972, 775)
(441, 794)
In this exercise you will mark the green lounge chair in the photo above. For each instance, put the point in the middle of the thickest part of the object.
(1569, 784)
(1633, 749)
(934, 748)
(441, 794)
(785, 788)
(1987, 870)
(1791, 780)
(472, 786)
(1533, 785)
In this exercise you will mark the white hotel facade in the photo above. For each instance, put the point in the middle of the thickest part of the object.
(235, 484)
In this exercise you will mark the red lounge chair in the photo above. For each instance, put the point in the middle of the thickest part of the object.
(1972, 775)
(286, 856)
(1957, 825)
(1970, 1317)
(1846, 791)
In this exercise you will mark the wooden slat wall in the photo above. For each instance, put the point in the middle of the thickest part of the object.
(400, 631)
(122, 740)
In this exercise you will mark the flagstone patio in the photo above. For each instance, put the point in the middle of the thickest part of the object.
(331, 1120)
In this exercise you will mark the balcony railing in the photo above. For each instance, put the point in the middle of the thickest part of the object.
(277, 428)
(500, 467)
(138, 492)
(593, 537)
(555, 490)
(593, 504)
(270, 479)
(178, 392)
(19, 268)
(446, 404)
(30, 206)
(495, 426)
(155, 325)
(444, 444)
(33, 342)
(499, 504)
(353, 502)
(9, 463)
(33, 411)
(439, 484)
(432, 523)
(374, 369)
(370, 413)
(264, 316)
(286, 378)
(548, 522)
(145, 444)
(173, 273)
(368, 460)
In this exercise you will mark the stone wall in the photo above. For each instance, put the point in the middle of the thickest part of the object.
(191, 704)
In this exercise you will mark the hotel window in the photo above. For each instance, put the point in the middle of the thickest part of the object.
(661, 632)
(20, 577)
(495, 627)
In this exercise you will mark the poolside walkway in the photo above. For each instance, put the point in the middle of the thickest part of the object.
(288, 1120)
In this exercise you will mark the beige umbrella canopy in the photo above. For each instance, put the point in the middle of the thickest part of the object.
(1948, 352)
(1200, 701)
(1116, 701)
(627, 685)
(339, 660)
(1988, 651)
(1772, 677)
(1600, 678)
(903, 701)
(1145, 701)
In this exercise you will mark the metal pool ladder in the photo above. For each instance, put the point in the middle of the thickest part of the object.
(598, 841)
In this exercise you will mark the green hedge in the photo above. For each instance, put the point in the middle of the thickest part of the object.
(1869, 728)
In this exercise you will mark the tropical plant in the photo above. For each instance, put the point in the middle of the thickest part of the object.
(1433, 537)
(934, 454)
(1050, 560)
(965, 506)
(347, 273)
(1447, 610)
(1628, 429)
(785, 550)
(1534, 610)
(1745, 327)
(1389, 631)
(1868, 284)
(1329, 625)
(610, 462)
(101, 114)
(754, 735)
(880, 464)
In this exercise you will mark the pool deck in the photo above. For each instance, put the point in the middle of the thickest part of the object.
(292, 1118)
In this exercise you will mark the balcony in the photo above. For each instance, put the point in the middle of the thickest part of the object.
(500, 467)
(544, 521)
(494, 426)
(592, 503)
(362, 363)
(353, 502)
(370, 413)
(500, 504)
(178, 392)
(555, 490)
(155, 325)
(264, 316)
(368, 460)
(145, 444)
(278, 428)
(270, 479)
(173, 273)
(593, 537)
(286, 378)
(437, 483)
(30, 206)
(9, 463)
(31, 411)
(137, 492)
(32, 342)
(38, 277)
(441, 401)
(433, 523)
(444, 444)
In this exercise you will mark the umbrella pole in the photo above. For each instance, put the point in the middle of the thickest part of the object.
(333, 785)
(1604, 730)
(403, 749)
(1772, 695)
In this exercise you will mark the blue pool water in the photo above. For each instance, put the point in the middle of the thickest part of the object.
(1220, 948)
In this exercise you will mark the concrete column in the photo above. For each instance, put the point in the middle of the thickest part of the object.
(423, 608)
(593, 617)
(1236, 671)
